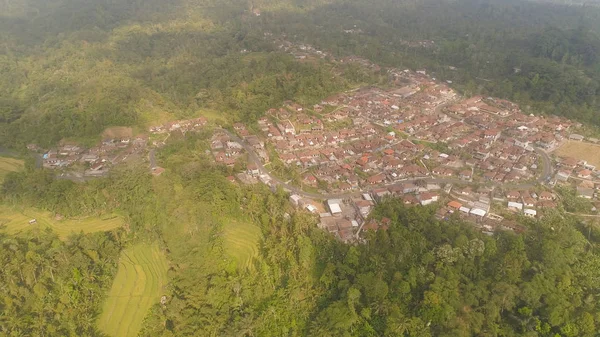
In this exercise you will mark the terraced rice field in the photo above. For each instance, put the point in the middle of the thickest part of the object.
(241, 242)
(15, 220)
(138, 285)
(9, 165)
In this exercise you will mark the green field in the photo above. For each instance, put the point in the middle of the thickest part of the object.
(15, 220)
(9, 165)
(138, 285)
(241, 242)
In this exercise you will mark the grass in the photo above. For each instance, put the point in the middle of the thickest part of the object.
(241, 242)
(9, 165)
(580, 151)
(15, 220)
(213, 115)
(138, 285)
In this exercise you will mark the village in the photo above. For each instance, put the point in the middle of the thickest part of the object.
(77, 162)
(479, 158)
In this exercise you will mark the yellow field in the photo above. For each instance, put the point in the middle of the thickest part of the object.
(9, 165)
(580, 151)
(16, 220)
(138, 285)
(241, 242)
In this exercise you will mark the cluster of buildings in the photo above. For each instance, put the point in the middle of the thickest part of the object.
(95, 161)
(382, 140)
(384, 135)
(225, 150)
(180, 125)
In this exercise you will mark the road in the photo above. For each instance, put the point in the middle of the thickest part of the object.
(547, 170)
(546, 163)
(152, 158)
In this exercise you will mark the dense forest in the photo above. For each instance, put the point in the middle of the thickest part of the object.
(52, 288)
(71, 68)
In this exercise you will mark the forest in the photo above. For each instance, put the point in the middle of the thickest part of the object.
(71, 68)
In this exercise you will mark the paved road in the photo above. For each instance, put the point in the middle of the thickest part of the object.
(547, 170)
(546, 163)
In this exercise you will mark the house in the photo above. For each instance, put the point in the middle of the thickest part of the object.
(253, 170)
(428, 198)
(515, 206)
(478, 212)
(584, 174)
(546, 196)
(410, 199)
(465, 209)
(465, 175)
(570, 163)
(576, 137)
(345, 187)
(97, 167)
(530, 212)
(409, 188)
(376, 179)
(156, 171)
(491, 134)
(295, 199)
(310, 180)
(454, 204)
(563, 175)
(364, 206)
(334, 206)
(587, 193)
(528, 202)
(380, 193)
(513, 195)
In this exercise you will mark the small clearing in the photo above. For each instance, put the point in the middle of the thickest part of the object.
(580, 151)
(117, 132)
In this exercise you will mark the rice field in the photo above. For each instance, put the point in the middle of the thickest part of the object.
(241, 242)
(14, 220)
(138, 285)
(9, 165)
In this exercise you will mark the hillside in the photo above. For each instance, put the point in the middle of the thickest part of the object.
(72, 68)
(203, 232)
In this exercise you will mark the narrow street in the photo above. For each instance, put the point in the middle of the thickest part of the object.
(546, 169)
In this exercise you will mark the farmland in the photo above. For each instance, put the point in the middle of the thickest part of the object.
(9, 165)
(15, 220)
(581, 151)
(138, 285)
(241, 242)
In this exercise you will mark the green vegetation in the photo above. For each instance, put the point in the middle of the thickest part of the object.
(9, 165)
(241, 241)
(241, 261)
(15, 220)
(51, 287)
(545, 57)
(138, 285)
(422, 277)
